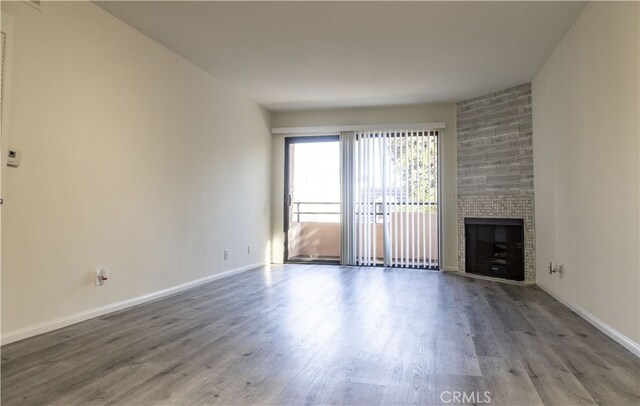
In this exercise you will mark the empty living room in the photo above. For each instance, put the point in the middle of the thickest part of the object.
(320, 203)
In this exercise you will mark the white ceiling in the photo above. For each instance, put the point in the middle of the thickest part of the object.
(302, 55)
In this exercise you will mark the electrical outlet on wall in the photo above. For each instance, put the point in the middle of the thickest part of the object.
(102, 275)
(13, 158)
(554, 268)
(226, 254)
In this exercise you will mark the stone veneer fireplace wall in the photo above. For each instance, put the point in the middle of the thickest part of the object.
(495, 164)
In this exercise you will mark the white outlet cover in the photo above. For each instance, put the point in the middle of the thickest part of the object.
(13, 158)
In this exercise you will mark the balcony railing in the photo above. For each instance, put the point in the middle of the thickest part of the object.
(329, 212)
(318, 212)
(315, 228)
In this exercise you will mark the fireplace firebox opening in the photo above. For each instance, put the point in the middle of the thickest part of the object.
(495, 247)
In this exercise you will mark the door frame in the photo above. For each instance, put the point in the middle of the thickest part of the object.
(288, 140)
(7, 21)
(285, 227)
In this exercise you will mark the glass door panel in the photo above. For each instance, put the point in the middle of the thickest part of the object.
(312, 199)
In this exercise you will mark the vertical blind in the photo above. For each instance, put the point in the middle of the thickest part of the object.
(347, 208)
(395, 198)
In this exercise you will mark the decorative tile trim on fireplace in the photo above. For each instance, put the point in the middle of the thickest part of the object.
(518, 206)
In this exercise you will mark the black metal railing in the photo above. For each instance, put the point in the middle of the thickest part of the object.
(297, 211)
(392, 208)
(370, 209)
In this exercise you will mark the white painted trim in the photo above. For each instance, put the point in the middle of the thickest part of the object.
(614, 334)
(55, 324)
(449, 269)
(337, 129)
(7, 28)
(6, 23)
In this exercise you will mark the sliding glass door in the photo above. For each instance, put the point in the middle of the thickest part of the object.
(365, 198)
(312, 199)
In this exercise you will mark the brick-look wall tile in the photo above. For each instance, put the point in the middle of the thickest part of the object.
(495, 164)
(495, 138)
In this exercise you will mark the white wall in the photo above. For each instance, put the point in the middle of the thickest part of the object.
(586, 153)
(373, 115)
(132, 158)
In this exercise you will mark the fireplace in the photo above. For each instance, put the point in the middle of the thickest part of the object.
(495, 247)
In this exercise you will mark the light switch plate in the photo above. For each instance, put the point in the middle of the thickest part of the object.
(13, 158)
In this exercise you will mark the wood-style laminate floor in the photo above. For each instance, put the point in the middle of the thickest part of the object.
(305, 334)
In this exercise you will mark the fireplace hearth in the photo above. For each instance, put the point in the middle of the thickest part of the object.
(495, 247)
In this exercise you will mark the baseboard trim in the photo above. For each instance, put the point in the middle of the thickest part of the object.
(614, 334)
(449, 269)
(55, 324)
(493, 279)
